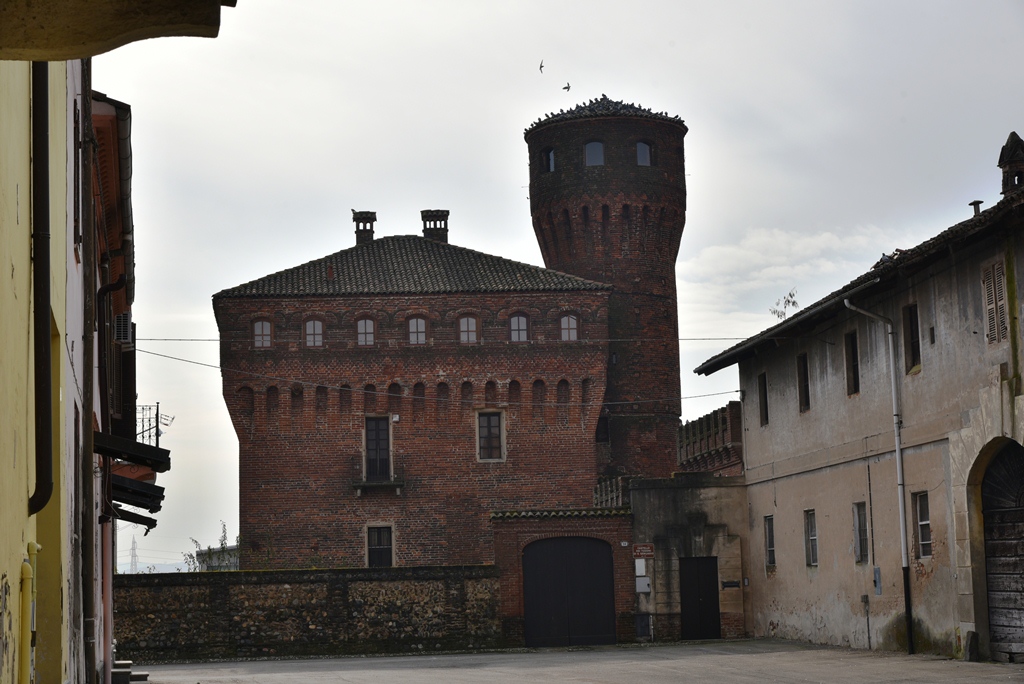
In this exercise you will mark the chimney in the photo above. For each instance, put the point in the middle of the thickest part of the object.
(364, 221)
(435, 224)
(977, 206)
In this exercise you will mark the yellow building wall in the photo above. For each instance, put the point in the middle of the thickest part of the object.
(17, 442)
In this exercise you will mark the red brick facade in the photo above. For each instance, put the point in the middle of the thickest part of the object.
(713, 443)
(299, 415)
(620, 222)
(513, 534)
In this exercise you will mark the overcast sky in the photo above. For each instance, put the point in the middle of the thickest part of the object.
(821, 135)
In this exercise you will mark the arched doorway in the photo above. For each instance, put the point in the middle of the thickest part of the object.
(568, 592)
(1002, 502)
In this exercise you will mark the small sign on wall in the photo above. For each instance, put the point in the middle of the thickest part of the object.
(643, 550)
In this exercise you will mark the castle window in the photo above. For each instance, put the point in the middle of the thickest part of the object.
(364, 332)
(490, 445)
(378, 547)
(594, 153)
(568, 328)
(378, 449)
(314, 333)
(417, 331)
(518, 325)
(769, 540)
(261, 334)
(643, 154)
(467, 330)
(547, 160)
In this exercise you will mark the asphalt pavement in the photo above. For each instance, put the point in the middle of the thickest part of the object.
(734, 662)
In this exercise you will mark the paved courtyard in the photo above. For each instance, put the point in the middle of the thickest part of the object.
(737, 661)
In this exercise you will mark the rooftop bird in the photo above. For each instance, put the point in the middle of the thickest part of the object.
(567, 86)
(542, 66)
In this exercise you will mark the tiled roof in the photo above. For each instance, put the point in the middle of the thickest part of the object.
(600, 108)
(562, 513)
(888, 267)
(409, 264)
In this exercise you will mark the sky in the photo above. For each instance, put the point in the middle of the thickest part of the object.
(821, 134)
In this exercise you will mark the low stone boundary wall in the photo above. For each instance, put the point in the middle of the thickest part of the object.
(214, 615)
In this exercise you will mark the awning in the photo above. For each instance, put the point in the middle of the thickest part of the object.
(136, 518)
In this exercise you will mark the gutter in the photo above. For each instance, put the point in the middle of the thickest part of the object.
(41, 286)
(897, 422)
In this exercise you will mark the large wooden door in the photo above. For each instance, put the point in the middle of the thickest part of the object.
(698, 596)
(568, 592)
(1002, 500)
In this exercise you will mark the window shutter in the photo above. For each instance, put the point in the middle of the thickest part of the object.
(123, 327)
(987, 279)
(1000, 300)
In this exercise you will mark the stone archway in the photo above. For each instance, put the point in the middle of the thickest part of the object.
(1002, 508)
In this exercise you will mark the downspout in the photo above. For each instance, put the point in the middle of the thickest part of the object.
(897, 421)
(86, 472)
(41, 284)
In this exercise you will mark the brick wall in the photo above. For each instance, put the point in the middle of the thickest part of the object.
(513, 534)
(213, 615)
(299, 415)
(621, 223)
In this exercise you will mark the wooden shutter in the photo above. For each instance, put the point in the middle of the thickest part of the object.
(994, 284)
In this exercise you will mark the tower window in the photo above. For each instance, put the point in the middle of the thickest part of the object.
(379, 547)
(518, 325)
(489, 442)
(547, 160)
(852, 364)
(762, 397)
(911, 338)
(803, 383)
(643, 154)
(594, 153)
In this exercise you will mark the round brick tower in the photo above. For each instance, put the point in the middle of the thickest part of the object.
(608, 199)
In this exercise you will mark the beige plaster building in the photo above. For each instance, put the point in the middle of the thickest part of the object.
(932, 335)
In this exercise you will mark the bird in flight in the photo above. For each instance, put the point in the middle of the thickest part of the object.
(542, 66)
(567, 86)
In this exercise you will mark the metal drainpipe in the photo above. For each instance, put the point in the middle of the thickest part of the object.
(86, 474)
(897, 421)
(25, 658)
(41, 284)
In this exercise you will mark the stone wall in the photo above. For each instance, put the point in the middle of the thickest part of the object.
(213, 615)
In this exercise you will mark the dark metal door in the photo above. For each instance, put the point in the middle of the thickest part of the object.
(568, 592)
(698, 592)
(1002, 497)
(378, 451)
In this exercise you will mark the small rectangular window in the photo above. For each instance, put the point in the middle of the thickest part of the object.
(922, 525)
(803, 383)
(594, 153)
(860, 531)
(518, 330)
(911, 338)
(364, 332)
(261, 334)
(314, 333)
(489, 436)
(467, 329)
(417, 331)
(810, 538)
(568, 326)
(994, 285)
(769, 540)
(378, 547)
(762, 397)
(852, 364)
